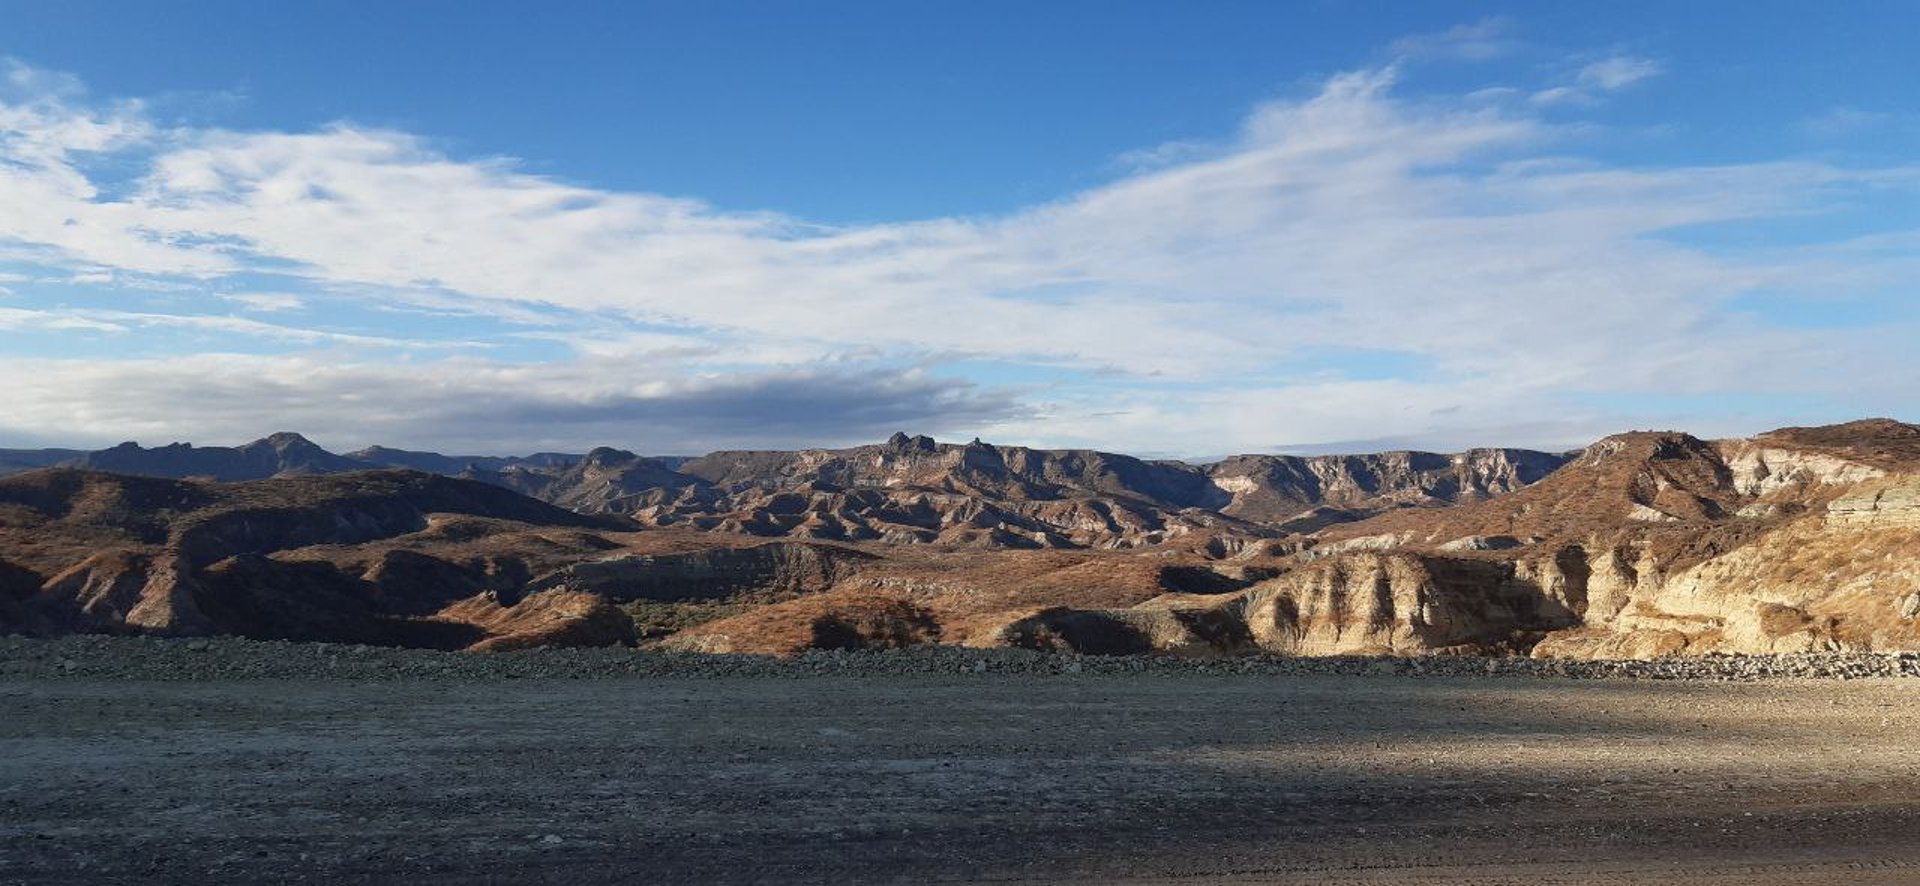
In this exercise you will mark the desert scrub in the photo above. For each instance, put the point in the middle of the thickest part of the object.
(653, 619)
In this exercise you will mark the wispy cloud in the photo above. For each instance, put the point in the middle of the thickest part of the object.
(14, 319)
(1610, 74)
(267, 302)
(1617, 72)
(225, 327)
(1479, 41)
(1846, 120)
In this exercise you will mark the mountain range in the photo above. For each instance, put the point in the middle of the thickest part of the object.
(906, 490)
(1642, 544)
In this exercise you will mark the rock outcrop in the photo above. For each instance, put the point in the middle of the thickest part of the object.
(775, 569)
(1357, 604)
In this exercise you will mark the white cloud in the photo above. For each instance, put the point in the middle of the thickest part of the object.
(267, 302)
(94, 320)
(1486, 39)
(1618, 72)
(1162, 155)
(1846, 120)
(1454, 232)
(16, 319)
(1610, 74)
(1560, 95)
(241, 326)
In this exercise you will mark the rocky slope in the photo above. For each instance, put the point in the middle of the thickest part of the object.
(83, 551)
(1648, 544)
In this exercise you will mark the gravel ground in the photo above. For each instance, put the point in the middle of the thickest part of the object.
(135, 760)
(152, 658)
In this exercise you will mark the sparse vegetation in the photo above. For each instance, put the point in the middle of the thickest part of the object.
(654, 620)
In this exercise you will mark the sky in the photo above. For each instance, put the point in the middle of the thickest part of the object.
(1178, 230)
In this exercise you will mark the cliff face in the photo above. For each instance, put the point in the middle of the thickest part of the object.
(1841, 577)
(1797, 540)
(1360, 604)
(1398, 604)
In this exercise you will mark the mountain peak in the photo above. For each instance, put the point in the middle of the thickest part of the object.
(900, 442)
(607, 455)
(286, 440)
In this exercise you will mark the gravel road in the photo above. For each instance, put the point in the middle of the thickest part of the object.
(450, 770)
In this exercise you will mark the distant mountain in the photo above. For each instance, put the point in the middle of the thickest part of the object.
(604, 481)
(455, 465)
(913, 488)
(282, 453)
(908, 489)
(15, 460)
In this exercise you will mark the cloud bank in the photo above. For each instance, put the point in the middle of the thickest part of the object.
(1352, 264)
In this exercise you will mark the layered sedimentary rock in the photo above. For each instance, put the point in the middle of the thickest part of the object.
(1799, 540)
(1361, 604)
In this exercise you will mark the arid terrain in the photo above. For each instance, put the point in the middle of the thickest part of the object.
(127, 760)
(1644, 544)
(1661, 659)
(852, 442)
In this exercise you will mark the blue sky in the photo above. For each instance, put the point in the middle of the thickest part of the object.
(1156, 228)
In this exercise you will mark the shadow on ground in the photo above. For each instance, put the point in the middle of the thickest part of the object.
(989, 777)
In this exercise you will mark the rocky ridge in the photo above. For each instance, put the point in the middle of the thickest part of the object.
(909, 490)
